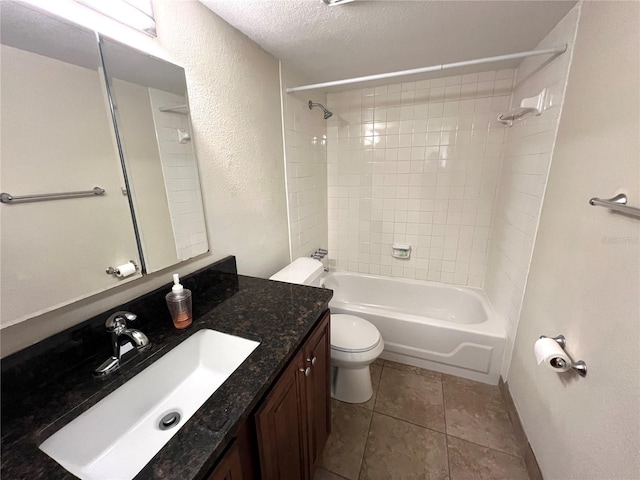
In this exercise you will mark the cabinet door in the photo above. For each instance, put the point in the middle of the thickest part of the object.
(317, 355)
(281, 427)
(230, 467)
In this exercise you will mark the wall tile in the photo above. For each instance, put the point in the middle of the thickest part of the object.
(181, 177)
(308, 179)
(421, 161)
(528, 152)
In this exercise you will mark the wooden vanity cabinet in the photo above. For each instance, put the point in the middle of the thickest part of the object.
(317, 354)
(294, 420)
(230, 467)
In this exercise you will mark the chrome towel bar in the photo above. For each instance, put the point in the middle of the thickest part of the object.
(617, 203)
(7, 198)
(180, 109)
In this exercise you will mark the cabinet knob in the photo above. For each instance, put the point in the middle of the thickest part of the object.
(306, 371)
(312, 361)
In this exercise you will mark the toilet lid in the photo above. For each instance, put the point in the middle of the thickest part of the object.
(353, 334)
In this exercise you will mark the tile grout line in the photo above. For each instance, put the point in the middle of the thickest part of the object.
(401, 419)
(502, 401)
(445, 414)
(485, 446)
(446, 435)
(432, 375)
(331, 472)
(383, 366)
(410, 423)
(373, 410)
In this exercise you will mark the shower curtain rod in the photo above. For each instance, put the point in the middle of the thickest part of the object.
(435, 68)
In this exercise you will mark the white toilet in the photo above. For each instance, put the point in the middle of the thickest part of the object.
(355, 342)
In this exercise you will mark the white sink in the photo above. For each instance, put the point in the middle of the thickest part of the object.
(119, 435)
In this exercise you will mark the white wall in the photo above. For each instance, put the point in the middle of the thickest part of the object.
(234, 92)
(235, 106)
(305, 138)
(528, 150)
(416, 163)
(585, 273)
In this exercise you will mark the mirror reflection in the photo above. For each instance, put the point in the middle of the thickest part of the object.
(57, 137)
(152, 119)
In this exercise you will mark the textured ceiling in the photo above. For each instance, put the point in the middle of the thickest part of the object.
(365, 37)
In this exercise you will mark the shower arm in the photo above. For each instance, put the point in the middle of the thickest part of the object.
(327, 113)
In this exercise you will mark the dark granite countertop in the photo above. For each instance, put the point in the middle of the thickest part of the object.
(46, 387)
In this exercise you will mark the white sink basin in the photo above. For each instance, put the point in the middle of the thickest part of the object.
(119, 435)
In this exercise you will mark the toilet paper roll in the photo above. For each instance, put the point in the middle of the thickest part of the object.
(125, 270)
(549, 352)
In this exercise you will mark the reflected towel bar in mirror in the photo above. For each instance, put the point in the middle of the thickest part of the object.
(180, 109)
(8, 198)
(617, 203)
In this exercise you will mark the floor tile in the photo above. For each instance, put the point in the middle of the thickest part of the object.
(322, 474)
(476, 412)
(345, 448)
(376, 372)
(400, 450)
(410, 368)
(411, 397)
(469, 461)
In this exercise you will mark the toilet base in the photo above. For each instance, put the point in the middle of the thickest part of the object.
(351, 385)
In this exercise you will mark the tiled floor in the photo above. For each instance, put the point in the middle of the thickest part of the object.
(422, 425)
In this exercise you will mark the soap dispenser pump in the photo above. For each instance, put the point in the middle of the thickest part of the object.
(179, 303)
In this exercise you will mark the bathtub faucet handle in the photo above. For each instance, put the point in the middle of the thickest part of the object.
(319, 254)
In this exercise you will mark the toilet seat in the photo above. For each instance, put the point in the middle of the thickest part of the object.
(353, 334)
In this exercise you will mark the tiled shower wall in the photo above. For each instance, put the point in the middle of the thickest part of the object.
(181, 176)
(525, 170)
(416, 163)
(306, 169)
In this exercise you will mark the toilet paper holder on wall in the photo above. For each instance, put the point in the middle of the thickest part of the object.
(116, 270)
(580, 367)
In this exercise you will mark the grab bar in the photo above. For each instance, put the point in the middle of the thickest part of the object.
(8, 198)
(617, 203)
(180, 109)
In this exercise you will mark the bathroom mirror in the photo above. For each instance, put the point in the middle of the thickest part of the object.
(151, 106)
(57, 137)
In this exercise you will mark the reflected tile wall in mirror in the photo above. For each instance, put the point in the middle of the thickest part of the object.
(152, 115)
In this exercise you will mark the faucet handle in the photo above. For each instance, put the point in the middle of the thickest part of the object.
(118, 321)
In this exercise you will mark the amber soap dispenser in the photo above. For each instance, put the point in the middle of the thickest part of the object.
(179, 303)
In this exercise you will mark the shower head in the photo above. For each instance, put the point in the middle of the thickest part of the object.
(327, 113)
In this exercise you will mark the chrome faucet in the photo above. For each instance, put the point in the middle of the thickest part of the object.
(319, 254)
(117, 325)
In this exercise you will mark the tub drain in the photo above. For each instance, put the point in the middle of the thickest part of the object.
(170, 420)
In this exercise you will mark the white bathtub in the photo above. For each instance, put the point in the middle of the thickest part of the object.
(431, 325)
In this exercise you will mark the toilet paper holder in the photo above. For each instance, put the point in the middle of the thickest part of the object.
(580, 367)
(116, 271)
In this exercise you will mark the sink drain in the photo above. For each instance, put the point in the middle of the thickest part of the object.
(170, 420)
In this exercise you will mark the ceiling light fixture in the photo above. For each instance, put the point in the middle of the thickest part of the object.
(333, 3)
(136, 14)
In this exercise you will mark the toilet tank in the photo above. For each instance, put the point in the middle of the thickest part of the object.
(303, 271)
